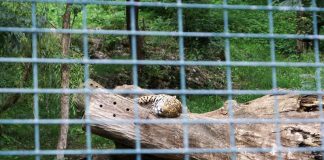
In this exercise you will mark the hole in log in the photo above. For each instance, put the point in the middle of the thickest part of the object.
(115, 103)
(114, 115)
(100, 105)
(127, 109)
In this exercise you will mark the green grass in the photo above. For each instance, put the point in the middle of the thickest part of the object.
(260, 78)
(202, 104)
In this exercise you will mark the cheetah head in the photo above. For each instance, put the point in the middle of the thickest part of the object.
(171, 107)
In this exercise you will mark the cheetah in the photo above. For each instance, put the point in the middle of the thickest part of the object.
(162, 105)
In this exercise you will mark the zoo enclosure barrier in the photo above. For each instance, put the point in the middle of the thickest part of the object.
(182, 63)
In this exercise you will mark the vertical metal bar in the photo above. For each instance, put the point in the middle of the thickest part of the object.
(183, 83)
(318, 74)
(86, 80)
(135, 81)
(229, 81)
(274, 83)
(35, 80)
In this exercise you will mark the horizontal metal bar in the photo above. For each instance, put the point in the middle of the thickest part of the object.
(160, 62)
(157, 151)
(162, 33)
(158, 91)
(170, 121)
(179, 5)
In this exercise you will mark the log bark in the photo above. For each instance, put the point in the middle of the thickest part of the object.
(170, 136)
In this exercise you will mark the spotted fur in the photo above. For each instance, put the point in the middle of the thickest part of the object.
(162, 105)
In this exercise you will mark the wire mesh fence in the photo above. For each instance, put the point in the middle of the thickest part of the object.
(182, 63)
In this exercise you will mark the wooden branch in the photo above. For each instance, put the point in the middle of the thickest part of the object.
(170, 136)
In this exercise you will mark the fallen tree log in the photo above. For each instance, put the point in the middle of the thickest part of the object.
(252, 135)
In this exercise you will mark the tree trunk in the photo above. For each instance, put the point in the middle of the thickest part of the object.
(62, 141)
(320, 23)
(301, 43)
(139, 39)
(170, 136)
(304, 26)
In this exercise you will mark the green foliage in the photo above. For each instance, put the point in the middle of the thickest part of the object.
(244, 2)
(248, 21)
(155, 77)
(205, 49)
(250, 49)
(106, 17)
(49, 75)
(13, 15)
